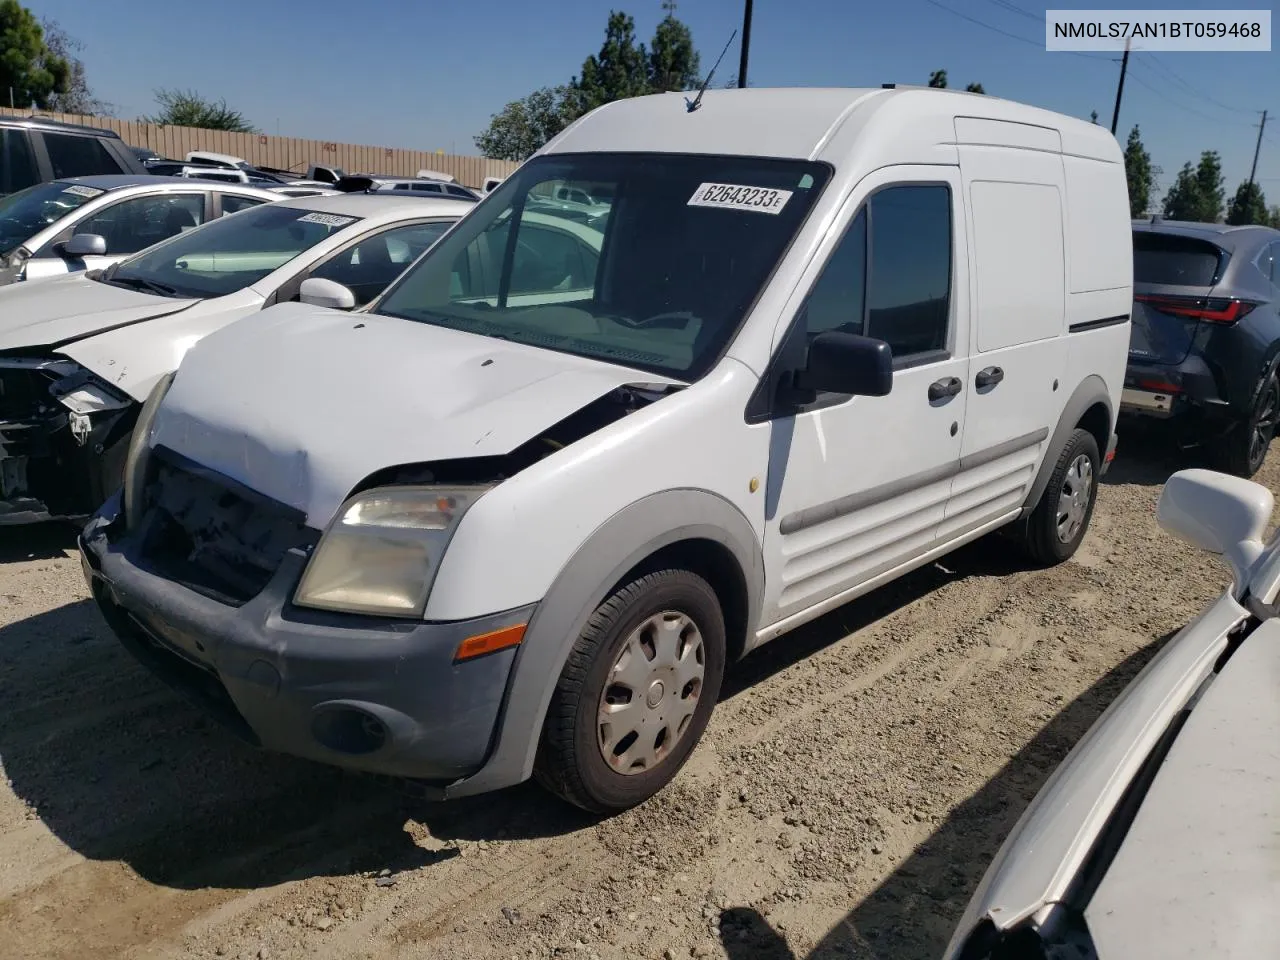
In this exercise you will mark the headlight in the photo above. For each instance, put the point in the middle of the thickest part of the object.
(383, 549)
(135, 463)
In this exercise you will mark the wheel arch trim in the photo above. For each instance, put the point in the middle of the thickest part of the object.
(1091, 391)
(616, 547)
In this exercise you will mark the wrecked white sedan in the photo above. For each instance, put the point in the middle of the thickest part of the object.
(1157, 836)
(79, 354)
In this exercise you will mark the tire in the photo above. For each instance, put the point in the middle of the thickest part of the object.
(650, 615)
(1052, 534)
(1243, 449)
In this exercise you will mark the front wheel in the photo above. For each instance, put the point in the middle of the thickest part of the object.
(1061, 518)
(1243, 449)
(635, 694)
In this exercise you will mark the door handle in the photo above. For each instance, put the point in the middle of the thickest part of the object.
(944, 388)
(988, 377)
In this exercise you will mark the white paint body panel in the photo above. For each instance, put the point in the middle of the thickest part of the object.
(288, 433)
(1198, 874)
(321, 437)
(131, 339)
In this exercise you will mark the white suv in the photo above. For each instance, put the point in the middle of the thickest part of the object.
(518, 515)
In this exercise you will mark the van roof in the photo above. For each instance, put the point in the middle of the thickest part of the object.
(809, 123)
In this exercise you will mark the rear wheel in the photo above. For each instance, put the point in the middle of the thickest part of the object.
(636, 693)
(1061, 518)
(1244, 448)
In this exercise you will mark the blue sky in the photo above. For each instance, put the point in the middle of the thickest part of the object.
(429, 75)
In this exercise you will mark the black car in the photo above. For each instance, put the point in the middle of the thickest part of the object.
(34, 150)
(1205, 341)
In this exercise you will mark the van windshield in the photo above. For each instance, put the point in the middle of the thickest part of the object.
(656, 272)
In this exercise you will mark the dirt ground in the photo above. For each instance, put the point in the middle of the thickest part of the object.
(856, 779)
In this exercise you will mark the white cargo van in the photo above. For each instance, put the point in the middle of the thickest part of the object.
(518, 515)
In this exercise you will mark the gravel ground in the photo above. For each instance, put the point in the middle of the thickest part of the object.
(855, 781)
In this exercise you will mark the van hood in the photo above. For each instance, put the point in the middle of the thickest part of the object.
(301, 404)
(51, 313)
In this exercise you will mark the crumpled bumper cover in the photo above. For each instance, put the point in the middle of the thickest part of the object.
(368, 694)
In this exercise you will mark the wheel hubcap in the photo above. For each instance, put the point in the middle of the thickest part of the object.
(1073, 502)
(1264, 423)
(651, 693)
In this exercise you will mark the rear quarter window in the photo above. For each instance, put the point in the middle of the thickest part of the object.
(1182, 261)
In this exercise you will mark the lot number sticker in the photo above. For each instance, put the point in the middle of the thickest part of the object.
(78, 191)
(738, 197)
(328, 219)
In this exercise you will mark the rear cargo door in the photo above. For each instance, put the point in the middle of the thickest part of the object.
(1173, 276)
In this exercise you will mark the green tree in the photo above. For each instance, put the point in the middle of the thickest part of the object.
(77, 98)
(1137, 170)
(1248, 206)
(30, 73)
(1273, 217)
(186, 108)
(1197, 193)
(618, 71)
(1093, 117)
(523, 126)
(673, 60)
(938, 80)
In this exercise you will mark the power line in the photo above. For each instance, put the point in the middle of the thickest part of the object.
(1137, 78)
(1005, 33)
(1014, 8)
(1151, 58)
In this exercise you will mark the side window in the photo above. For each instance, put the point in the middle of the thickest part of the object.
(550, 260)
(232, 203)
(428, 188)
(909, 268)
(367, 267)
(401, 186)
(838, 299)
(457, 192)
(133, 225)
(76, 156)
(17, 162)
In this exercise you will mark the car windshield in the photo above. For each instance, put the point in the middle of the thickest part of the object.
(659, 276)
(27, 212)
(227, 254)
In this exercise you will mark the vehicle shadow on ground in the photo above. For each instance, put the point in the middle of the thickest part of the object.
(41, 541)
(914, 911)
(120, 768)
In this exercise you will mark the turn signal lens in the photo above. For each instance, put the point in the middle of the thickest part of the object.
(491, 642)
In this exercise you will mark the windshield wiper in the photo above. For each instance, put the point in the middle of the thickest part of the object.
(142, 283)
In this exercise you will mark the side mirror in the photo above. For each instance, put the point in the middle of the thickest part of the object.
(85, 245)
(1218, 513)
(319, 292)
(848, 363)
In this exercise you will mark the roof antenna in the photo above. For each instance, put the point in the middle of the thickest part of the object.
(696, 102)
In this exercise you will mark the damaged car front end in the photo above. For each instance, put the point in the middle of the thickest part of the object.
(64, 435)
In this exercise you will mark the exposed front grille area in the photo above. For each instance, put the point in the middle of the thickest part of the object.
(214, 536)
(24, 393)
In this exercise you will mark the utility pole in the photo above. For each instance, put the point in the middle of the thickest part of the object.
(746, 44)
(1258, 149)
(1124, 67)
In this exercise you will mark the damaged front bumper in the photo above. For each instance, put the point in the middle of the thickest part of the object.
(63, 439)
(368, 694)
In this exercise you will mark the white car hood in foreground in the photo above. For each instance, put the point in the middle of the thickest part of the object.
(1198, 874)
(58, 311)
(301, 403)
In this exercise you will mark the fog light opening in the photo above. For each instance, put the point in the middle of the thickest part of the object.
(349, 730)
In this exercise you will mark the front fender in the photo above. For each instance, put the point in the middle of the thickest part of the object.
(616, 547)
